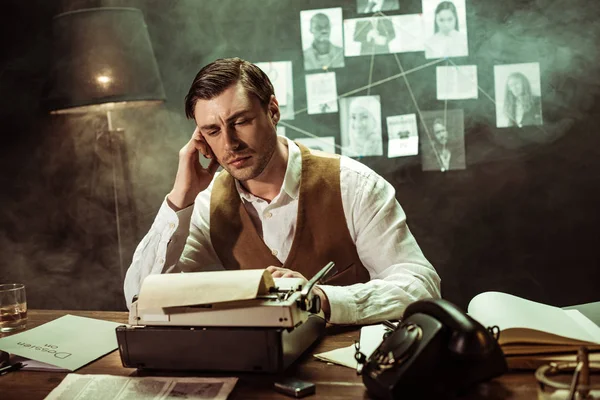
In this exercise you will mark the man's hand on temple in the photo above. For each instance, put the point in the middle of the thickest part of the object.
(279, 272)
(192, 177)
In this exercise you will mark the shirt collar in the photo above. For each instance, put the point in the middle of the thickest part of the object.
(291, 180)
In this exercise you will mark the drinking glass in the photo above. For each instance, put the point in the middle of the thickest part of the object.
(13, 307)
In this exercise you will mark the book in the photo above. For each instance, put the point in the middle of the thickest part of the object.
(531, 328)
(68, 342)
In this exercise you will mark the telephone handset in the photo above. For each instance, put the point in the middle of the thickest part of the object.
(437, 350)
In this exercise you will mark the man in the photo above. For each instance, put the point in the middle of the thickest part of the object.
(279, 205)
(322, 54)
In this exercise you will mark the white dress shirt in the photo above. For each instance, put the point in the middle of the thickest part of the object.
(400, 274)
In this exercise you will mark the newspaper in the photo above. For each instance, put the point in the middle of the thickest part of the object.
(100, 387)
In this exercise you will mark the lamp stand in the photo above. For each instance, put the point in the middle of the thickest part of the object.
(110, 149)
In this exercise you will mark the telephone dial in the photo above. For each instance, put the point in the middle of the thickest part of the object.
(437, 351)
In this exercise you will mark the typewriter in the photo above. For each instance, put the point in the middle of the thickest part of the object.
(239, 321)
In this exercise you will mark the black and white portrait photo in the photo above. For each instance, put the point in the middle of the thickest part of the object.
(445, 27)
(280, 74)
(403, 135)
(442, 140)
(456, 82)
(321, 93)
(518, 95)
(322, 38)
(326, 143)
(373, 6)
(369, 36)
(360, 122)
(383, 35)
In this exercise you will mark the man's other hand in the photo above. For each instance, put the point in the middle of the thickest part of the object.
(279, 272)
(192, 177)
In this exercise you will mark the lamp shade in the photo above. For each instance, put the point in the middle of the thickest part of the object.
(102, 59)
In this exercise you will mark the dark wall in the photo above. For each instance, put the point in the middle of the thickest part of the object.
(521, 218)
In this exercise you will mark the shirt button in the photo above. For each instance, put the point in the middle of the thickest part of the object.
(274, 252)
(268, 215)
(161, 261)
(171, 225)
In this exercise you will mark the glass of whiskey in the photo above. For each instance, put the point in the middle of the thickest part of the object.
(13, 307)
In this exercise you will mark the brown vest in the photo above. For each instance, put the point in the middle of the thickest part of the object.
(321, 230)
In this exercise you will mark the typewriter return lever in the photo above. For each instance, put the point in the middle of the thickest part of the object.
(313, 303)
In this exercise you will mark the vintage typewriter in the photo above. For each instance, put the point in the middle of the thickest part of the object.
(243, 321)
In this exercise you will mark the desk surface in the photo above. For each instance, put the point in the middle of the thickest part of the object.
(333, 381)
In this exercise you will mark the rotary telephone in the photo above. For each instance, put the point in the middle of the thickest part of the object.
(436, 351)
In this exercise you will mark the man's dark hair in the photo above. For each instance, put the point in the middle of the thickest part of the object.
(216, 77)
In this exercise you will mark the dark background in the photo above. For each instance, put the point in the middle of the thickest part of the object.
(522, 218)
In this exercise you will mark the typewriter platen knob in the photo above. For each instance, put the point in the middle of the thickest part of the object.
(316, 305)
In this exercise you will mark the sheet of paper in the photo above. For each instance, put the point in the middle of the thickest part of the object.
(321, 93)
(370, 338)
(403, 135)
(343, 356)
(187, 289)
(68, 342)
(96, 387)
(457, 82)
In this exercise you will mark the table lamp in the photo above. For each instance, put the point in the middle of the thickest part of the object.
(102, 61)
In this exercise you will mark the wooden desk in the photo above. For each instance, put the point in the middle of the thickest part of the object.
(333, 381)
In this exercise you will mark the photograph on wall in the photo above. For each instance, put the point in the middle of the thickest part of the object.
(442, 140)
(321, 93)
(445, 28)
(518, 95)
(322, 38)
(326, 143)
(409, 33)
(280, 75)
(373, 6)
(383, 35)
(360, 123)
(457, 82)
(403, 135)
